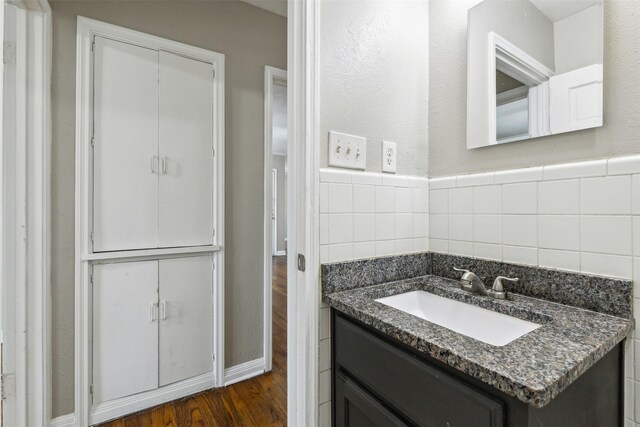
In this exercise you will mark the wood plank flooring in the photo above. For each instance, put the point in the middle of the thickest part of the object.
(260, 401)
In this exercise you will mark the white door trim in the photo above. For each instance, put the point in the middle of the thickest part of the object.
(272, 75)
(303, 213)
(26, 214)
(87, 30)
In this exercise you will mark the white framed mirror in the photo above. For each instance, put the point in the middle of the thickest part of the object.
(534, 68)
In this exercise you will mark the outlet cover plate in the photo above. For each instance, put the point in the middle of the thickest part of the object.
(389, 155)
(347, 151)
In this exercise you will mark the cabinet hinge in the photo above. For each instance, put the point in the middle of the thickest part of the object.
(213, 232)
(213, 266)
(93, 44)
(213, 356)
(92, 240)
(91, 389)
(214, 73)
(91, 279)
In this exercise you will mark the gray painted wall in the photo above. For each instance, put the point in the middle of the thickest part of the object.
(250, 38)
(374, 78)
(620, 134)
(279, 163)
(578, 40)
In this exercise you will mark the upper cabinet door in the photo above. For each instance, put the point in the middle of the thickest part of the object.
(125, 199)
(186, 152)
(186, 318)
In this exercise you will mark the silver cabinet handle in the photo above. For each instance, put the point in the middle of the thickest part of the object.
(153, 312)
(164, 165)
(163, 310)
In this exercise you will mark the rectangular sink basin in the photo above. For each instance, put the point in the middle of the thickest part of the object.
(484, 325)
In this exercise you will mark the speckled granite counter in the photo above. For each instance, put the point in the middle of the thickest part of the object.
(534, 368)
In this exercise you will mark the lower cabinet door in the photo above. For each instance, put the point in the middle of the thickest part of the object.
(125, 329)
(355, 407)
(186, 318)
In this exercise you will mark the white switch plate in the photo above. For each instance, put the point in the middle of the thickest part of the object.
(347, 151)
(389, 154)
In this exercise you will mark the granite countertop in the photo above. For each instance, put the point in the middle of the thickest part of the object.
(534, 368)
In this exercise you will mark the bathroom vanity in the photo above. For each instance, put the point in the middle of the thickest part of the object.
(392, 366)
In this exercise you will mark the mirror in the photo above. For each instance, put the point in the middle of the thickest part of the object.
(534, 68)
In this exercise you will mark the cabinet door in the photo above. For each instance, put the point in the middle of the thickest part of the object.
(125, 329)
(125, 199)
(357, 408)
(186, 318)
(186, 143)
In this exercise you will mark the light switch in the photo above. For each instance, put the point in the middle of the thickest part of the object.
(389, 152)
(347, 151)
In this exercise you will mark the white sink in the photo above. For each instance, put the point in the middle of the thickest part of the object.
(484, 325)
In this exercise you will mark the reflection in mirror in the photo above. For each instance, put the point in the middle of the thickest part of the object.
(534, 69)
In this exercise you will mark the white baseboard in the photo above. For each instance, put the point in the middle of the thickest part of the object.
(128, 405)
(280, 253)
(243, 371)
(68, 420)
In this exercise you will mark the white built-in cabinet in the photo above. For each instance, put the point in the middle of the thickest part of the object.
(153, 149)
(152, 324)
(150, 192)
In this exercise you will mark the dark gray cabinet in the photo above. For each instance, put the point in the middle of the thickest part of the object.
(380, 382)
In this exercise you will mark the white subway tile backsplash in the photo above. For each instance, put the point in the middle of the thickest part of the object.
(364, 250)
(576, 170)
(520, 230)
(324, 331)
(636, 236)
(395, 180)
(366, 178)
(520, 255)
(461, 227)
(439, 226)
(518, 175)
(475, 179)
(562, 260)
(487, 199)
(420, 200)
(404, 246)
(606, 234)
(605, 195)
(335, 175)
(404, 226)
(444, 182)
(623, 165)
(487, 228)
(461, 248)
(404, 199)
(559, 197)
(418, 182)
(421, 244)
(439, 201)
(340, 252)
(324, 197)
(520, 198)
(636, 279)
(606, 265)
(340, 198)
(487, 251)
(364, 198)
(385, 247)
(340, 228)
(324, 386)
(420, 225)
(439, 245)
(385, 226)
(635, 196)
(324, 254)
(559, 232)
(324, 414)
(324, 355)
(324, 229)
(385, 199)
(364, 227)
(461, 200)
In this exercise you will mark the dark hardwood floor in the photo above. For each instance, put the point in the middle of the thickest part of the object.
(260, 401)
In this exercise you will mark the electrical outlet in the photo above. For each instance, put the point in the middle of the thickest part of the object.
(347, 151)
(389, 152)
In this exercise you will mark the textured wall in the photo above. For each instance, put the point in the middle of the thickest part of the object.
(374, 78)
(250, 38)
(447, 98)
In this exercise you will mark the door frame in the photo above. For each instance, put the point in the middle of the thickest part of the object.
(25, 226)
(272, 76)
(33, 399)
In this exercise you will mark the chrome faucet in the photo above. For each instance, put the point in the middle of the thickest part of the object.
(471, 283)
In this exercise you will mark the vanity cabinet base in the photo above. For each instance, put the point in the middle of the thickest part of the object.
(378, 381)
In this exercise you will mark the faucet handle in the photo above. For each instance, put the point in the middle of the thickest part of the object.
(497, 284)
(462, 270)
